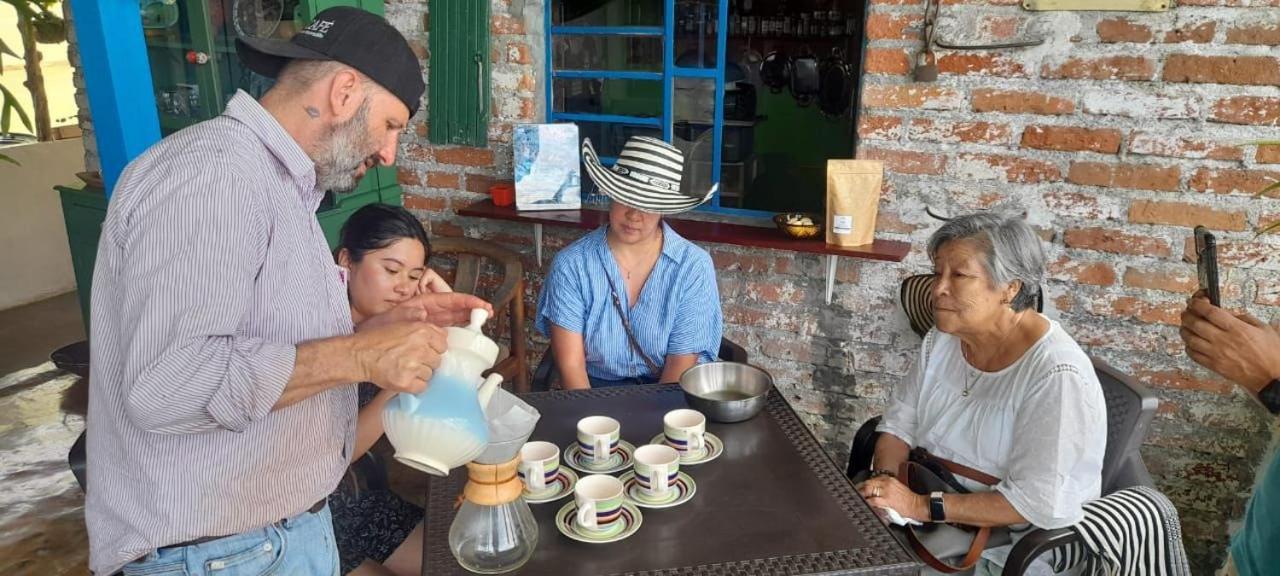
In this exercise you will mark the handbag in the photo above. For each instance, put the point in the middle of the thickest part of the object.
(924, 473)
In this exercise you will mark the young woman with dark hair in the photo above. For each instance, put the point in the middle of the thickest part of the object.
(383, 252)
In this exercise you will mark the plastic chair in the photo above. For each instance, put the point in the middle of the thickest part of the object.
(1130, 409)
(505, 291)
(547, 373)
(74, 358)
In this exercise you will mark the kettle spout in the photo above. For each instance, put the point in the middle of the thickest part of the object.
(487, 387)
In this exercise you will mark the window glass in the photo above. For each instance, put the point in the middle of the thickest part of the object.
(633, 53)
(607, 13)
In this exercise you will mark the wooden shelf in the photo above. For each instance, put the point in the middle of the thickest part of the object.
(697, 230)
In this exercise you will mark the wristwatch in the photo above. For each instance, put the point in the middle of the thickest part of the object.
(936, 512)
(1270, 396)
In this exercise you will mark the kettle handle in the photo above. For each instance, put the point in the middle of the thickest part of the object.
(478, 318)
(487, 387)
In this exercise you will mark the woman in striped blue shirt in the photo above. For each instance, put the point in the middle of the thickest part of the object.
(632, 302)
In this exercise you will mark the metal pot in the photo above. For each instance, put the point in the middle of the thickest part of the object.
(775, 71)
(726, 391)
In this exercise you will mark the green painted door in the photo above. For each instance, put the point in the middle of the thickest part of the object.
(458, 89)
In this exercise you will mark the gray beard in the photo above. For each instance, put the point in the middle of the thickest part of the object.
(339, 159)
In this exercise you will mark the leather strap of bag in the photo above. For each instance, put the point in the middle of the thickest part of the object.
(979, 538)
(635, 344)
(958, 469)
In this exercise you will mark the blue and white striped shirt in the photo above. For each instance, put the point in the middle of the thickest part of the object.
(678, 311)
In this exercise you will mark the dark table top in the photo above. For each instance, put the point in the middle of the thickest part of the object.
(773, 503)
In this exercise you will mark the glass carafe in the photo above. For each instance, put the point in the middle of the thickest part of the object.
(494, 531)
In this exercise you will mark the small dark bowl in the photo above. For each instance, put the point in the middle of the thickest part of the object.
(799, 231)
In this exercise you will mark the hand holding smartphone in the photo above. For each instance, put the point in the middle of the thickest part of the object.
(1207, 264)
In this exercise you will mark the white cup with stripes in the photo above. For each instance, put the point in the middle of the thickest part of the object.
(598, 438)
(657, 466)
(685, 430)
(539, 465)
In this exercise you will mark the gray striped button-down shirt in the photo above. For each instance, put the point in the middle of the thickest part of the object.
(211, 268)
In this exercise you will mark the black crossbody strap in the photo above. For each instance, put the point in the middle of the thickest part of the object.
(626, 326)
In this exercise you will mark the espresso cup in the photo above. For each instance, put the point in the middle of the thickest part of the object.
(657, 466)
(598, 438)
(599, 500)
(539, 465)
(685, 431)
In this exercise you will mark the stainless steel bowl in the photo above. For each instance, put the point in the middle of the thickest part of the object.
(726, 391)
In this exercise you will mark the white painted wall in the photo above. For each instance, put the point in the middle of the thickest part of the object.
(35, 262)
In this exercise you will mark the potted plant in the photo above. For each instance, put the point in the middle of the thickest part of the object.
(9, 108)
(36, 24)
(49, 27)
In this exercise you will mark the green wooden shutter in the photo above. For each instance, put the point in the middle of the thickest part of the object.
(458, 80)
(374, 6)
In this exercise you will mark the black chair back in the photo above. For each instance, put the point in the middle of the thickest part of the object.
(1130, 409)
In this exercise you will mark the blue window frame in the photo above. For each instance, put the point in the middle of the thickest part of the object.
(713, 13)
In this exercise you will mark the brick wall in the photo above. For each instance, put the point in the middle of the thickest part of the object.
(82, 97)
(1118, 134)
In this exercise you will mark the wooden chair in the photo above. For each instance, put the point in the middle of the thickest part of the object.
(506, 290)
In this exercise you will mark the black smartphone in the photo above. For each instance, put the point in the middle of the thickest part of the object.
(1207, 264)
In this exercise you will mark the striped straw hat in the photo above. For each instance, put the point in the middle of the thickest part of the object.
(646, 176)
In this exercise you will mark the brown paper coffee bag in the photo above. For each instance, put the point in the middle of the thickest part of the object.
(853, 198)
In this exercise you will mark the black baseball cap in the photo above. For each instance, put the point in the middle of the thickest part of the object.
(359, 39)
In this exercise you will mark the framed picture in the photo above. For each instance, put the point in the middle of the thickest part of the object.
(547, 167)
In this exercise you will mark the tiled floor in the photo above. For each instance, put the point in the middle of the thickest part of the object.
(28, 333)
(41, 414)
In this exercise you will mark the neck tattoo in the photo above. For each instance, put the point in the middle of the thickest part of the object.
(312, 111)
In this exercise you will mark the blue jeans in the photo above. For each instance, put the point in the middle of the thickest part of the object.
(602, 383)
(300, 545)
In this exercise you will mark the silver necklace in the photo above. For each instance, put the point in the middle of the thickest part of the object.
(974, 375)
(971, 379)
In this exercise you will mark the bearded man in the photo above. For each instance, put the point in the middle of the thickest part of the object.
(222, 406)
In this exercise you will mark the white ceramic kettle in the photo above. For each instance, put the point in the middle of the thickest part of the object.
(444, 426)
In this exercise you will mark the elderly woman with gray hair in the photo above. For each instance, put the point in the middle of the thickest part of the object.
(997, 388)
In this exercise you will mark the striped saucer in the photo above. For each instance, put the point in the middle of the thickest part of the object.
(576, 459)
(682, 491)
(713, 449)
(628, 524)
